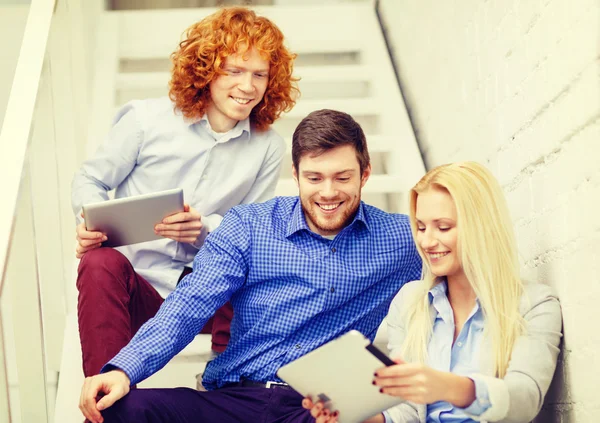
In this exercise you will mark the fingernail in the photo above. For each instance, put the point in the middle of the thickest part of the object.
(104, 238)
(374, 383)
(375, 374)
(381, 390)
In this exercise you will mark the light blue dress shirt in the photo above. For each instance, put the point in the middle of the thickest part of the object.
(292, 290)
(460, 357)
(152, 148)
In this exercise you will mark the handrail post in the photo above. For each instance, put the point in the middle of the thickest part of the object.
(4, 395)
(22, 276)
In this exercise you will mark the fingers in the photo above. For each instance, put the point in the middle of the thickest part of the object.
(80, 250)
(87, 240)
(83, 234)
(319, 411)
(188, 214)
(195, 225)
(87, 401)
(307, 403)
(181, 232)
(399, 370)
(187, 236)
(409, 393)
(115, 394)
(316, 409)
(387, 383)
(114, 384)
(326, 416)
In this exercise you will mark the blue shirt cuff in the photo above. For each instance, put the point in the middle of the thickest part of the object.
(129, 364)
(387, 417)
(482, 398)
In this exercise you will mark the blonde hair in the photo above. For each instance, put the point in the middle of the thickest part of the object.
(487, 250)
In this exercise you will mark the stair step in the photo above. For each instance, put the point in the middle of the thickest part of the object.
(331, 73)
(332, 28)
(352, 106)
(376, 143)
(164, 49)
(377, 184)
(337, 73)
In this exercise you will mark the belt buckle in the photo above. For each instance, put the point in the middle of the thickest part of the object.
(272, 383)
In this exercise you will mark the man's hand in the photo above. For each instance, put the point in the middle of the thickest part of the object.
(114, 385)
(424, 385)
(87, 240)
(184, 226)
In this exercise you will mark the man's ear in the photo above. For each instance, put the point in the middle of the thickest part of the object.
(365, 175)
(295, 175)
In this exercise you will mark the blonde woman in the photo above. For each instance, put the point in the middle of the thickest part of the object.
(476, 343)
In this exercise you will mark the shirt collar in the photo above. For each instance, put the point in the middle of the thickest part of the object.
(239, 128)
(439, 289)
(440, 292)
(298, 221)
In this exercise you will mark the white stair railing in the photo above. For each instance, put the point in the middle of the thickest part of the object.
(17, 238)
(37, 159)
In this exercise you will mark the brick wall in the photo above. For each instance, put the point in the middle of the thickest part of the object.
(515, 85)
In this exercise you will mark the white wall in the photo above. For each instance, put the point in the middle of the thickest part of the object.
(515, 85)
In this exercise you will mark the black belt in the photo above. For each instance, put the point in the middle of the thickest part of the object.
(252, 384)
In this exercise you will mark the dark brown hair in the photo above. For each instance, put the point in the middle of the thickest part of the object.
(324, 130)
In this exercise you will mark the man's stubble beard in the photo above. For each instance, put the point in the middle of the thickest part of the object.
(345, 219)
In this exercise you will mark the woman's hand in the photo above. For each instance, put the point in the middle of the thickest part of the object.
(319, 411)
(423, 385)
(323, 415)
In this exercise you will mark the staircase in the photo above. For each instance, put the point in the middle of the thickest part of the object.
(343, 64)
(342, 61)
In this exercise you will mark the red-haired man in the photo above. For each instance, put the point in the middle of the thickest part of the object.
(231, 79)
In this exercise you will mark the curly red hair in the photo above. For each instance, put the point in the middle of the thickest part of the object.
(201, 55)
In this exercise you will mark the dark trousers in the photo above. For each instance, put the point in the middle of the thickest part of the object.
(228, 405)
(114, 302)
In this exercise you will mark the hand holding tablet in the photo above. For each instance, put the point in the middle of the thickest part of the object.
(131, 220)
(340, 374)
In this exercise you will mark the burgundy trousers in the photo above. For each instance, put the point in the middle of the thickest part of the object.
(114, 302)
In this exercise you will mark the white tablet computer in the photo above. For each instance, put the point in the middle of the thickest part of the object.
(340, 373)
(131, 220)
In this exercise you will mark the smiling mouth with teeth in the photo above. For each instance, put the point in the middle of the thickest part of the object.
(438, 255)
(241, 100)
(329, 207)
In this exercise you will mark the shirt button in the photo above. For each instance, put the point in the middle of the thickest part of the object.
(459, 344)
(333, 250)
(298, 346)
(332, 289)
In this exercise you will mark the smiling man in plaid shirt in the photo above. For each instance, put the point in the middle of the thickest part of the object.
(299, 272)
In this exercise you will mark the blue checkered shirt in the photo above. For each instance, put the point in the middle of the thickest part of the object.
(291, 290)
